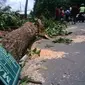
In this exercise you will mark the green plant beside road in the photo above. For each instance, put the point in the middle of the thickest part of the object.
(63, 40)
(33, 52)
(10, 20)
(55, 28)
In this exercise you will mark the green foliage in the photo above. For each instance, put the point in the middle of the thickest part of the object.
(47, 7)
(44, 7)
(54, 28)
(34, 51)
(77, 1)
(62, 40)
(10, 20)
(24, 81)
(6, 9)
(31, 18)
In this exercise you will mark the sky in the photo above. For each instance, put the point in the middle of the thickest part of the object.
(20, 4)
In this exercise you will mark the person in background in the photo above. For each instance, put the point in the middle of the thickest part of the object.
(70, 9)
(74, 13)
(81, 12)
(62, 14)
(70, 13)
(57, 13)
(67, 15)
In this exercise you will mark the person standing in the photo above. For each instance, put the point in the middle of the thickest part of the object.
(82, 12)
(74, 13)
(57, 14)
(62, 14)
(67, 15)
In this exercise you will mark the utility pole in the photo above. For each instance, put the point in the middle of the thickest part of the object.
(20, 7)
(26, 5)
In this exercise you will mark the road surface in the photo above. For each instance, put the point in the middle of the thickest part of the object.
(69, 70)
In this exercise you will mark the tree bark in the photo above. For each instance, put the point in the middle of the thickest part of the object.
(17, 41)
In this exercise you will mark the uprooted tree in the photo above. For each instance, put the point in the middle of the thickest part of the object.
(17, 41)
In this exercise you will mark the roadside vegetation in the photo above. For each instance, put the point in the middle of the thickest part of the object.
(63, 40)
(9, 19)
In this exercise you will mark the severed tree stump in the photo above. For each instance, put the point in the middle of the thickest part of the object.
(17, 41)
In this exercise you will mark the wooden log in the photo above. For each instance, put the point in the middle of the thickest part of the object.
(17, 41)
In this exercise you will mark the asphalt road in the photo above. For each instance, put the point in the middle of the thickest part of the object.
(71, 69)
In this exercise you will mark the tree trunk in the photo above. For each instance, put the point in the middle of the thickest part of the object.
(17, 41)
(26, 5)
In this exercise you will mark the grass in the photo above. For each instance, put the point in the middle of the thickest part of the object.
(33, 52)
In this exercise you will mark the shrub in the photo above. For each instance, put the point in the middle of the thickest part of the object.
(63, 40)
(54, 28)
(10, 20)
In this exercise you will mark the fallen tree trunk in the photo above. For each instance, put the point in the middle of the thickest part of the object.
(17, 41)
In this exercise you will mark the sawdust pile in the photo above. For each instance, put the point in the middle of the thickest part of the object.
(50, 54)
(33, 66)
